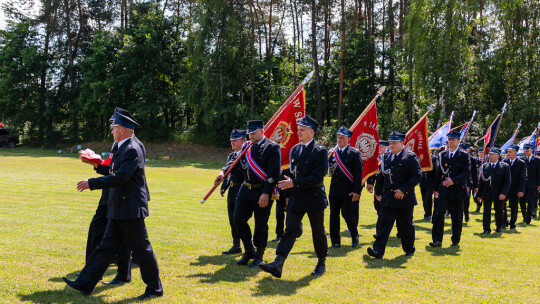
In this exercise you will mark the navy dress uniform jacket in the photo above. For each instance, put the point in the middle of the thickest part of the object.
(128, 194)
(236, 176)
(267, 155)
(404, 174)
(308, 171)
(518, 174)
(459, 171)
(489, 190)
(340, 185)
(533, 172)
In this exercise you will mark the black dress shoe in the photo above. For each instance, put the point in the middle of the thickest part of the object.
(319, 270)
(454, 245)
(334, 246)
(246, 257)
(355, 242)
(255, 262)
(277, 239)
(233, 250)
(275, 268)
(435, 244)
(76, 286)
(115, 281)
(375, 236)
(374, 253)
(146, 296)
(466, 219)
(427, 218)
(498, 229)
(409, 254)
(512, 226)
(486, 232)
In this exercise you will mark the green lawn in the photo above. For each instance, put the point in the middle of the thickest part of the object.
(44, 223)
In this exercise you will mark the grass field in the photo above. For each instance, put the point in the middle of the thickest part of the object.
(44, 223)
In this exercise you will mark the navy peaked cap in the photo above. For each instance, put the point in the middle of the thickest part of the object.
(122, 117)
(307, 121)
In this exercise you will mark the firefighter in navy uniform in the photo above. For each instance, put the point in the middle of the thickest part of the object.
(383, 145)
(472, 182)
(518, 174)
(495, 181)
(400, 173)
(478, 160)
(261, 164)
(450, 189)
(532, 186)
(126, 212)
(232, 183)
(309, 165)
(426, 188)
(345, 187)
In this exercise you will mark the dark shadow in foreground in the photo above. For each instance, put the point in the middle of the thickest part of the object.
(274, 286)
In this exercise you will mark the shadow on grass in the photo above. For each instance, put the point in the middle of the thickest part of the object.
(230, 273)
(271, 286)
(492, 235)
(70, 295)
(397, 262)
(439, 251)
(344, 250)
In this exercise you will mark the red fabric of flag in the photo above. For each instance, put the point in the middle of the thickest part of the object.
(284, 129)
(366, 139)
(416, 140)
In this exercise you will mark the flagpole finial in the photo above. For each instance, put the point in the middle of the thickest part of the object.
(308, 77)
(504, 107)
(431, 108)
(381, 90)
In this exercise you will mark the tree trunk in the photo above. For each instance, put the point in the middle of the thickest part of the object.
(341, 67)
(315, 59)
(294, 43)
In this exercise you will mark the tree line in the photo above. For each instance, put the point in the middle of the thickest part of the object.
(194, 69)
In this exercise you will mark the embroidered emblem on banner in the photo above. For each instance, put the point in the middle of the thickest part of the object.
(282, 134)
(367, 144)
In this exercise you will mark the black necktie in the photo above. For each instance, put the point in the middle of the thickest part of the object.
(114, 149)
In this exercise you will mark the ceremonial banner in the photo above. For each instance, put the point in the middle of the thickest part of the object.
(416, 140)
(440, 137)
(284, 128)
(491, 134)
(533, 140)
(366, 139)
(511, 140)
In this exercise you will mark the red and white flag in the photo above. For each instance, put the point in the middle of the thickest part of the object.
(417, 141)
(366, 139)
(284, 128)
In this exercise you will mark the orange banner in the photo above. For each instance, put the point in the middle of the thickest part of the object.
(284, 128)
(416, 140)
(366, 139)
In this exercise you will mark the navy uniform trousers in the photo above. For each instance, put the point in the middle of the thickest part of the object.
(231, 203)
(133, 233)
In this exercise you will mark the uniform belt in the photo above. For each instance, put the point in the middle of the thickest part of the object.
(253, 186)
(232, 184)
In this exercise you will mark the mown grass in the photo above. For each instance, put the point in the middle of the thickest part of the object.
(44, 223)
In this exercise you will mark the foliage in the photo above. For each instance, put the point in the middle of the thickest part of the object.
(201, 68)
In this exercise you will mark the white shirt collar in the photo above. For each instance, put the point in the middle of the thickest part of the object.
(309, 142)
(122, 141)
